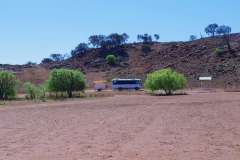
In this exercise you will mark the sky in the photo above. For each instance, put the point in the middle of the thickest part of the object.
(31, 30)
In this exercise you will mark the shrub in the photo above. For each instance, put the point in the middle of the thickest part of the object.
(30, 90)
(65, 80)
(34, 92)
(146, 49)
(47, 61)
(225, 32)
(8, 85)
(193, 38)
(167, 80)
(111, 59)
(219, 52)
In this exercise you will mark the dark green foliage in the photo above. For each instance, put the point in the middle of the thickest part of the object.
(47, 61)
(167, 80)
(193, 38)
(65, 80)
(223, 30)
(29, 63)
(111, 59)
(117, 39)
(111, 41)
(8, 85)
(145, 38)
(81, 49)
(157, 37)
(57, 57)
(97, 40)
(211, 29)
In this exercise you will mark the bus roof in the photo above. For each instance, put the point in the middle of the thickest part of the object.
(118, 79)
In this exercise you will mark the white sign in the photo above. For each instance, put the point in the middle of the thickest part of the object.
(205, 78)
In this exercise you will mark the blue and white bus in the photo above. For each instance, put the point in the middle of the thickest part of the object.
(126, 84)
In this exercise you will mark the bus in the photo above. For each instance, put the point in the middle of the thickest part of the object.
(120, 84)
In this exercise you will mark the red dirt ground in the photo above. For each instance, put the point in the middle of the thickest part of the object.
(199, 126)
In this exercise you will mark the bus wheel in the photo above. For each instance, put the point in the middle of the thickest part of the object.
(137, 89)
(120, 89)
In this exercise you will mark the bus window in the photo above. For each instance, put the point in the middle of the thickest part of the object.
(126, 84)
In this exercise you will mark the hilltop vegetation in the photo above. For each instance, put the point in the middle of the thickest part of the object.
(216, 56)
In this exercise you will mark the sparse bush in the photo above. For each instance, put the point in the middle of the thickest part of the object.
(167, 80)
(81, 49)
(47, 61)
(193, 38)
(146, 49)
(34, 92)
(31, 63)
(111, 59)
(225, 32)
(82, 95)
(65, 80)
(157, 37)
(8, 85)
(219, 52)
(57, 57)
(30, 90)
(145, 38)
(42, 92)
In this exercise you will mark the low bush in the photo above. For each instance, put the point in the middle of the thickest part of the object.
(34, 92)
(219, 52)
(8, 85)
(167, 80)
(111, 59)
(146, 49)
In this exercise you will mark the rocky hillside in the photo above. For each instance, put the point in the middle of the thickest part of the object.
(194, 59)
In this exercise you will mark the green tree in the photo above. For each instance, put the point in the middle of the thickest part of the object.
(211, 29)
(145, 38)
(193, 38)
(57, 57)
(167, 80)
(8, 85)
(111, 59)
(157, 37)
(65, 80)
(81, 49)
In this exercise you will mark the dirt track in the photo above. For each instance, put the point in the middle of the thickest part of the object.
(200, 126)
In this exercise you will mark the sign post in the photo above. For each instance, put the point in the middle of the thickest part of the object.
(203, 79)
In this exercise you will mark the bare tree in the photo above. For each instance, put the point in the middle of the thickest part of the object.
(225, 32)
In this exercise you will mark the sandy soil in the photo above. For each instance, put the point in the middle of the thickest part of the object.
(199, 126)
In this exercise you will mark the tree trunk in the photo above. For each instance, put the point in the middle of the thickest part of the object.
(70, 94)
(168, 92)
(227, 39)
